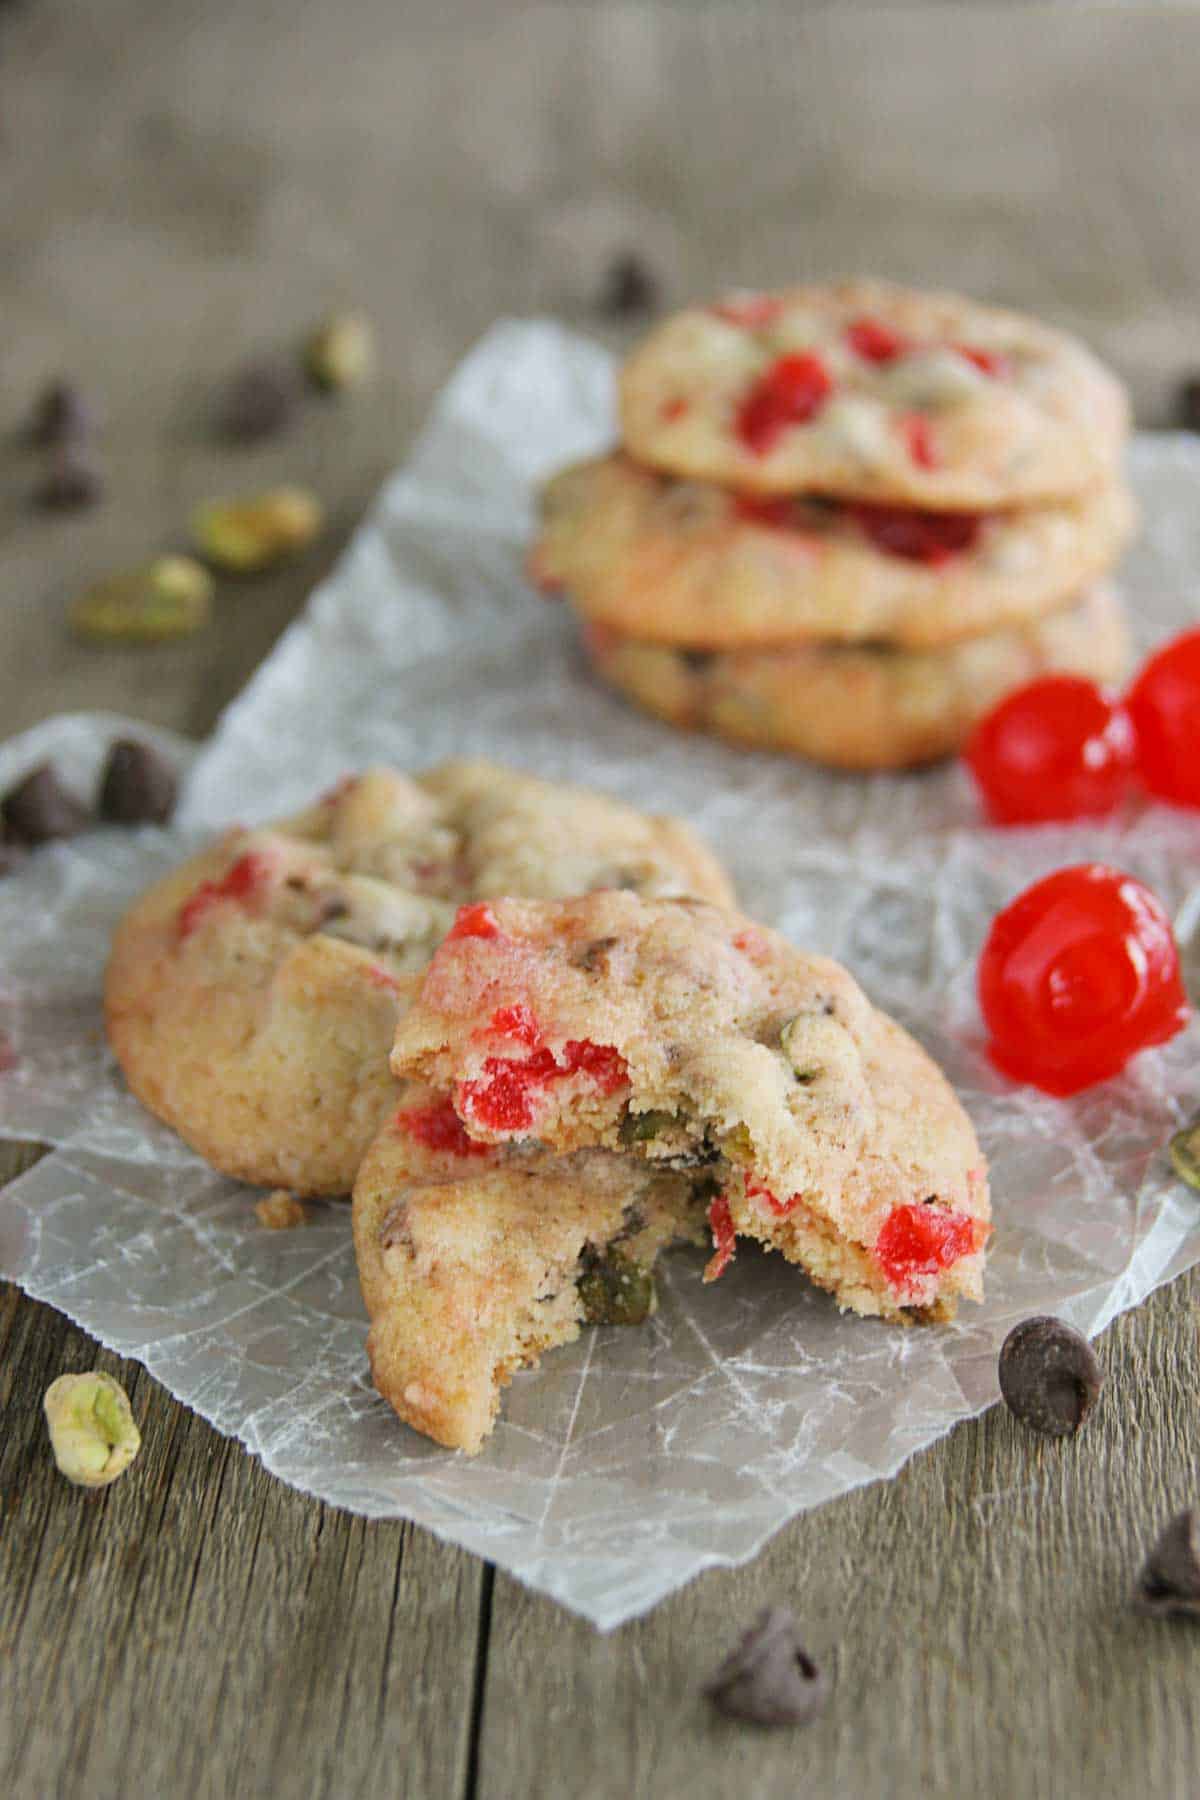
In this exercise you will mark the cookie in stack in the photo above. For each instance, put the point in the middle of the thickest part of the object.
(845, 521)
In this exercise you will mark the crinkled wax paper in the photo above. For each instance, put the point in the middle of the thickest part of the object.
(635, 1458)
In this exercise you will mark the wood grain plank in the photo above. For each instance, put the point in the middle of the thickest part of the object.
(199, 1627)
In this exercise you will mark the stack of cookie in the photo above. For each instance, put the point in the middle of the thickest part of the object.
(846, 521)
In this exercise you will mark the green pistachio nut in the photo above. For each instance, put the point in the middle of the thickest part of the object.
(615, 1290)
(92, 1432)
(170, 597)
(248, 536)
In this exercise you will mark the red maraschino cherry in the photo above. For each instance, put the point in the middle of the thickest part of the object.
(1058, 748)
(1077, 975)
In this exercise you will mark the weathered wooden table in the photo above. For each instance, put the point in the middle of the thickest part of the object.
(184, 183)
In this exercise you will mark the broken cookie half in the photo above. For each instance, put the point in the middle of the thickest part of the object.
(475, 1260)
(691, 1038)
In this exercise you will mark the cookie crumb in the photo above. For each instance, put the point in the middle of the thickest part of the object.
(280, 1211)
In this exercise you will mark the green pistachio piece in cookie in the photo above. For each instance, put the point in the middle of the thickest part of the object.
(1185, 1153)
(639, 1128)
(615, 1290)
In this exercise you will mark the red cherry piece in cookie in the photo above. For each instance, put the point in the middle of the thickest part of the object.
(751, 311)
(720, 1221)
(1164, 704)
(516, 1022)
(990, 362)
(874, 341)
(756, 1191)
(504, 1097)
(791, 392)
(438, 1127)
(780, 512)
(917, 433)
(922, 1240)
(476, 920)
(933, 538)
(1058, 748)
(242, 883)
(1077, 975)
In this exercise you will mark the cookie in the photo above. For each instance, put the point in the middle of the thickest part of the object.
(687, 563)
(872, 392)
(475, 1260)
(252, 995)
(693, 1037)
(861, 706)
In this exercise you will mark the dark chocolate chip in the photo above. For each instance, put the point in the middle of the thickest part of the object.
(1049, 1376)
(697, 660)
(40, 808)
(259, 401)
(137, 785)
(1170, 1578)
(1187, 404)
(72, 483)
(630, 287)
(1185, 1153)
(62, 415)
(594, 956)
(769, 1679)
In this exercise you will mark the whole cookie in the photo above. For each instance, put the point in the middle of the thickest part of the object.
(873, 392)
(695, 1038)
(251, 997)
(474, 1260)
(861, 706)
(688, 563)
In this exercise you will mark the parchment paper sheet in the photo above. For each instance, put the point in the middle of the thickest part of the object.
(635, 1458)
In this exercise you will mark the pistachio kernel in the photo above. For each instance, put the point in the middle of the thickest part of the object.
(168, 598)
(246, 536)
(639, 1128)
(341, 351)
(91, 1427)
(1185, 1153)
(615, 1290)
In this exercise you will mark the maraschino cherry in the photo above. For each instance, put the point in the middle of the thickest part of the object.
(1058, 748)
(1077, 975)
(1164, 704)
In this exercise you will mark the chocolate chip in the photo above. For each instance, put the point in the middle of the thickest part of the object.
(769, 1679)
(259, 401)
(137, 785)
(629, 287)
(1187, 404)
(697, 660)
(594, 956)
(61, 415)
(1170, 1578)
(1049, 1376)
(39, 809)
(72, 483)
(1185, 1153)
